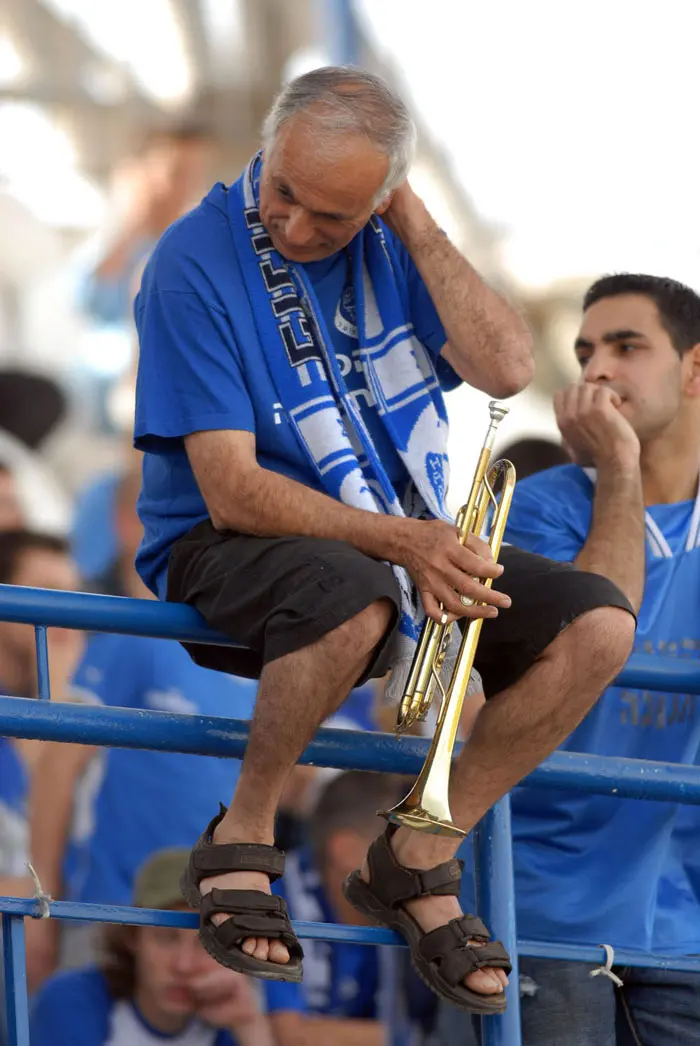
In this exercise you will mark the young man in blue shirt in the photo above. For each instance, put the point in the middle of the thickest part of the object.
(594, 869)
(154, 985)
(294, 349)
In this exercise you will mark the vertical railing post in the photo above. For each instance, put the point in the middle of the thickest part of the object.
(16, 999)
(495, 900)
(42, 663)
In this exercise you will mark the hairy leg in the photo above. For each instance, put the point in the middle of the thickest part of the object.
(296, 693)
(511, 736)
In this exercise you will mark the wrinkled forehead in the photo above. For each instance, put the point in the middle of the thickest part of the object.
(345, 170)
(624, 312)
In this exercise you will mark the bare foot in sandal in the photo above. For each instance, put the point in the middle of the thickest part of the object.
(435, 911)
(242, 924)
(257, 947)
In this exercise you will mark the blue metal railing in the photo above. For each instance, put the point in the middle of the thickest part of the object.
(209, 735)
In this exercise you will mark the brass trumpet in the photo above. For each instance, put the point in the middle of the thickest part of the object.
(426, 808)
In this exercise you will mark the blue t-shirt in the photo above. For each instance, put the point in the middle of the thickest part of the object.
(93, 538)
(131, 803)
(201, 368)
(14, 830)
(592, 868)
(588, 867)
(76, 1009)
(340, 980)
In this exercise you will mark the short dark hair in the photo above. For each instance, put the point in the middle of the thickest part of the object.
(351, 801)
(14, 543)
(678, 305)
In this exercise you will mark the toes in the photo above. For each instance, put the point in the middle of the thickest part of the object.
(278, 952)
(484, 982)
(262, 950)
(502, 977)
(249, 945)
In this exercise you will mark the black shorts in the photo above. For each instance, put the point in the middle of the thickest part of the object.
(277, 595)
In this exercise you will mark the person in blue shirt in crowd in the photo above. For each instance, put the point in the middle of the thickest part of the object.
(154, 985)
(160, 183)
(297, 331)
(340, 998)
(37, 560)
(594, 869)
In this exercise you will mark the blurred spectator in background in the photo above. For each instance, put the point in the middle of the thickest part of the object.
(119, 577)
(11, 515)
(154, 984)
(97, 814)
(40, 561)
(160, 184)
(532, 455)
(593, 868)
(32, 407)
(338, 1000)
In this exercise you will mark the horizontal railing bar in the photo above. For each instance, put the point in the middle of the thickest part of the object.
(342, 749)
(337, 932)
(146, 617)
(95, 613)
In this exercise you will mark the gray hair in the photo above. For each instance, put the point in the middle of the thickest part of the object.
(347, 100)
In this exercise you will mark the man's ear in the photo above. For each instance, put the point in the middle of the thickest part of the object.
(692, 366)
(385, 204)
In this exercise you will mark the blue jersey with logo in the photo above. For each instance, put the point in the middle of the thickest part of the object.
(130, 802)
(201, 368)
(340, 980)
(76, 1009)
(588, 867)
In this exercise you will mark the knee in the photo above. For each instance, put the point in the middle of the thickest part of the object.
(605, 637)
(365, 630)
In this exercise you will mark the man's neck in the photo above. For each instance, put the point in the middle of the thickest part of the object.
(670, 467)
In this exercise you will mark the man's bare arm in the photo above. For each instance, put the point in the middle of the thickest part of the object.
(50, 808)
(242, 496)
(615, 543)
(296, 1029)
(488, 342)
(597, 434)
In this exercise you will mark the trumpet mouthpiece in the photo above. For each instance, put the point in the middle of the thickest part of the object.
(497, 411)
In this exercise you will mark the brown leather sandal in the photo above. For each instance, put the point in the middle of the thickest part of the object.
(252, 912)
(443, 957)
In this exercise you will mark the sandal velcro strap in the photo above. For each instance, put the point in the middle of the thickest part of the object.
(252, 914)
(209, 859)
(449, 948)
(394, 884)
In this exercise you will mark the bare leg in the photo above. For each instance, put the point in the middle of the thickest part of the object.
(296, 693)
(513, 733)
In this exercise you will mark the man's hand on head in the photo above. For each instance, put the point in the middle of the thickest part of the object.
(593, 429)
(406, 214)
